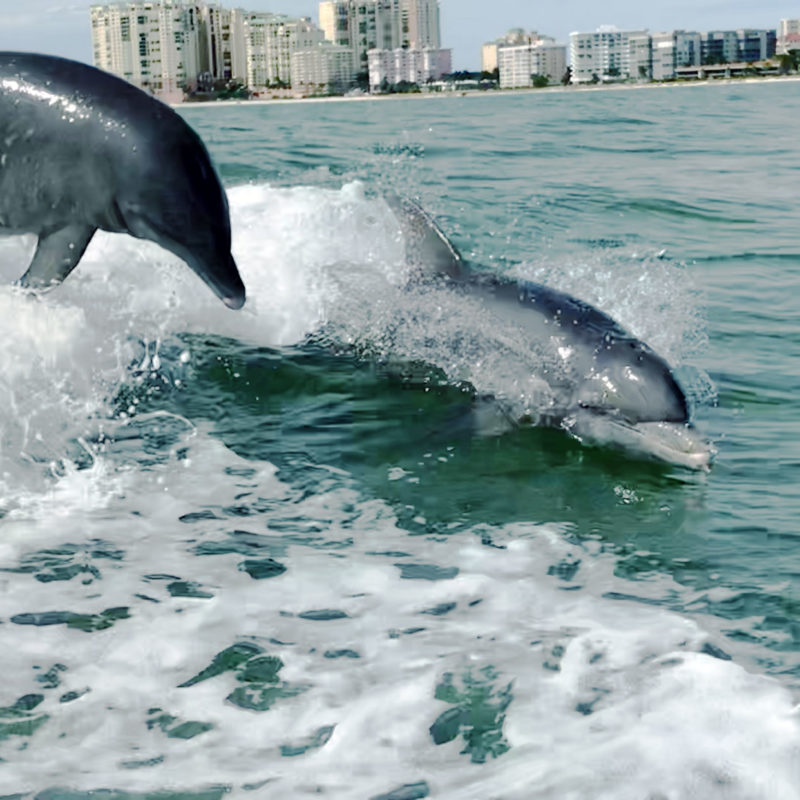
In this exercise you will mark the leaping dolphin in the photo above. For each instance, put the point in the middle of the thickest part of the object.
(82, 150)
(622, 392)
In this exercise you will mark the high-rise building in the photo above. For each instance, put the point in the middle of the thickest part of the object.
(404, 64)
(674, 49)
(688, 48)
(221, 37)
(755, 45)
(270, 41)
(604, 55)
(419, 21)
(334, 21)
(520, 64)
(154, 45)
(514, 36)
(788, 35)
(729, 47)
(642, 55)
(719, 47)
(327, 67)
(365, 25)
(362, 25)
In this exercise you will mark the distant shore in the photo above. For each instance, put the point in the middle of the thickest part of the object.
(581, 88)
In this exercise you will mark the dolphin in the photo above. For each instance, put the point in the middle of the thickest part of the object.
(82, 150)
(612, 388)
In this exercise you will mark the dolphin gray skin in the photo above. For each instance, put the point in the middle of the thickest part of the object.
(617, 385)
(82, 150)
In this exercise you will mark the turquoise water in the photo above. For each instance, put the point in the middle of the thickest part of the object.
(271, 553)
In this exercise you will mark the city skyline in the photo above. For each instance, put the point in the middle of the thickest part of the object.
(63, 28)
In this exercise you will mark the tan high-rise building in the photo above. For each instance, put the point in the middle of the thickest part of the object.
(334, 22)
(420, 24)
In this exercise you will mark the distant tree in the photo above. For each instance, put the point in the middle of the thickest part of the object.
(463, 75)
(539, 81)
(566, 78)
(405, 87)
(362, 81)
(789, 62)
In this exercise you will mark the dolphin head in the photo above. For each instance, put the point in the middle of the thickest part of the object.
(205, 248)
(177, 201)
(629, 379)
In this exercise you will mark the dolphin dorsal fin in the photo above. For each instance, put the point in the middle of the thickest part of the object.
(427, 248)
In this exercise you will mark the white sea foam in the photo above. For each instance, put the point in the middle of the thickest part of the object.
(607, 698)
(311, 259)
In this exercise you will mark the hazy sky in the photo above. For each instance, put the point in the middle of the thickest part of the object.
(62, 28)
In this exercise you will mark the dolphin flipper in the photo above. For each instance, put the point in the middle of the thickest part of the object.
(57, 254)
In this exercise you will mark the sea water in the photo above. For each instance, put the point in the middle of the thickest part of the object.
(270, 553)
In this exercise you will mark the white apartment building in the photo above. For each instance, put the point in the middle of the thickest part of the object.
(326, 67)
(412, 66)
(674, 49)
(604, 55)
(156, 46)
(641, 56)
(663, 57)
(518, 64)
(788, 36)
(270, 40)
(489, 50)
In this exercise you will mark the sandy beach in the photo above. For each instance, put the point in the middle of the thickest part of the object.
(613, 87)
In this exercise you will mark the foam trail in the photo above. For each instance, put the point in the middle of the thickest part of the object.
(313, 260)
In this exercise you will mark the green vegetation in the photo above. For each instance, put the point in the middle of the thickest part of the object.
(789, 62)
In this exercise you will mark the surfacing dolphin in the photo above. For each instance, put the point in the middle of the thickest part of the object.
(620, 390)
(82, 150)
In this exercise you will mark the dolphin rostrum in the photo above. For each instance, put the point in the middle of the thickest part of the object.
(82, 150)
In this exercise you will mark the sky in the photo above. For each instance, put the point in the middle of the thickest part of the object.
(62, 28)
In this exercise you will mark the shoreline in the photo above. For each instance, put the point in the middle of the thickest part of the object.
(463, 93)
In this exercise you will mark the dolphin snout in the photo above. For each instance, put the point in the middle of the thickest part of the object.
(235, 301)
(222, 277)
